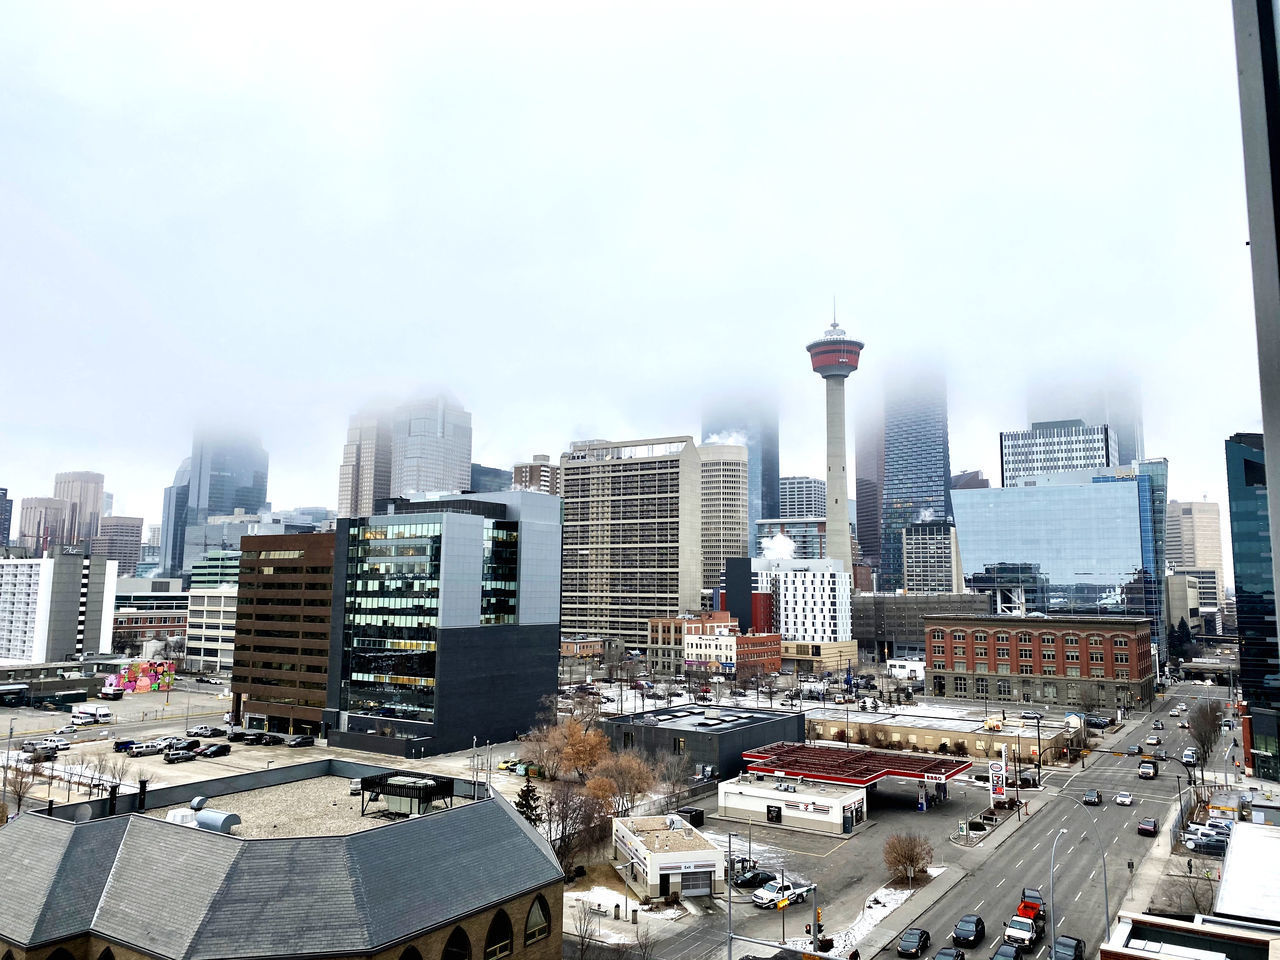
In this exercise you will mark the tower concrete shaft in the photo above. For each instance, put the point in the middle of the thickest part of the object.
(839, 546)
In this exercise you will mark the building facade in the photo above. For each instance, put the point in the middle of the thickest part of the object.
(667, 653)
(1113, 400)
(56, 608)
(211, 628)
(632, 537)
(931, 558)
(1183, 593)
(808, 536)
(1193, 541)
(43, 525)
(917, 466)
(82, 489)
(869, 475)
(1055, 445)
(6, 517)
(969, 480)
(725, 523)
(1090, 663)
(751, 421)
(489, 479)
(888, 625)
(802, 497)
(810, 598)
(436, 605)
(365, 473)
(430, 447)
(1255, 587)
(120, 539)
(282, 608)
(539, 475)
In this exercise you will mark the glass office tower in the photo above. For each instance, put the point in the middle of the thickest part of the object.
(1083, 547)
(752, 422)
(1252, 562)
(917, 467)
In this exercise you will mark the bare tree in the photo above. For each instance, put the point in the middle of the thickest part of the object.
(1205, 724)
(903, 850)
(573, 820)
(586, 925)
(673, 770)
(646, 943)
(22, 780)
(632, 774)
(1194, 894)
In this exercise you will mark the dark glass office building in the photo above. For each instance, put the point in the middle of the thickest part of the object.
(752, 422)
(446, 622)
(1255, 596)
(917, 466)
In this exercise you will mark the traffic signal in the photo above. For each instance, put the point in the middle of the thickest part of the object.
(808, 930)
(819, 918)
(819, 929)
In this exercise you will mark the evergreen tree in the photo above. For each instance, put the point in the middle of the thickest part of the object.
(529, 803)
(1184, 632)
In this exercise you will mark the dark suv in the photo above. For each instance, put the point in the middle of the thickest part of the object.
(969, 931)
(1067, 948)
(1092, 798)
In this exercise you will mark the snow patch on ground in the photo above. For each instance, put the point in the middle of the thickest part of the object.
(606, 897)
(875, 911)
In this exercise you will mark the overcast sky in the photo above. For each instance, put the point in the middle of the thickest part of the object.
(581, 219)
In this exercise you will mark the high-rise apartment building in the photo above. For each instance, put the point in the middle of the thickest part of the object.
(1193, 541)
(430, 447)
(1055, 445)
(489, 479)
(869, 476)
(211, 628)
(632, 536)
(43, 525)
(6, 517)
(801, 497)
(917, 465)
(173, 520)
(808, 536)
(444, 602)
(810, 599)
(55, 608)
(83, 490)
(751, 421)
(931, 558)
(539, 475)
(1110, 400)
(724, 509)
(120, 539)
(283, 620)
(365, 473)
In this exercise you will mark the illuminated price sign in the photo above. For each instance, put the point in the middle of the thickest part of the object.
(996, 771)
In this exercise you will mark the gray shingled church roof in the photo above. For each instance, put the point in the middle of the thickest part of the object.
(173, 891)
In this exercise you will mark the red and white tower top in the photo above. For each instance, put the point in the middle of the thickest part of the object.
(834, 354)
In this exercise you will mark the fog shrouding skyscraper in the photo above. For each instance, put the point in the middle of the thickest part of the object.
(834, 356)
(1115, 402)
(917, 465)
(42, 525)
(365, 473)
(1193, 542)
(869, 466)
(801, 497)
(430, 447)
(1055, 445)
(83, 490)
(120, 539)
(751, 421)
(489, 479)
(724, 508)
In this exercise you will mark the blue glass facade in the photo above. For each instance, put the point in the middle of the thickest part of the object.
(1083, 546)
(1252, 563)
(754, 424)
(917, 468)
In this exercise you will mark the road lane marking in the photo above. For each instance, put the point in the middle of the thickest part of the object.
(1038, 842)
(1018, 864)
(1077, 896)
(1057, 866)
(1117, 838)
(978, 904)
(1001, 883)
(1073, 846)
(1092, 875)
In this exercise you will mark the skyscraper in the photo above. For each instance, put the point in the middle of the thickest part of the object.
(1055, 445)
(869, 487)
(173, 520)
(750, 420)
(42, 525)
(120, 539)
(6, 517)
(917, 465)
(430, 447)
(83, 490)
(724, 508)
(1114, 401)
(365, 473)
(1251, 556)
(834, 356)
(538, 474)
(801, 497)
(489, 479)
(1193, 541)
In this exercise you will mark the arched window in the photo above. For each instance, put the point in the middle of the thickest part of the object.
(8, 955)
(410, 953)
(497, 942)
(458, 946)
(537, 925)
(106, 954)
(60, 954)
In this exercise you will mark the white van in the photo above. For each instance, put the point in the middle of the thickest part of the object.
(1189, 755)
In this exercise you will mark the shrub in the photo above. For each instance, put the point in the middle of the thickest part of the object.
(902, 850)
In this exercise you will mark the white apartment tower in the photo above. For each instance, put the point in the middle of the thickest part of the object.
(801, 497)
(725, 523)
(810, 597)
(1193, 542)
(1055, 445)
(430, 448)
(365, 473)
(632, 537)
(54, 608)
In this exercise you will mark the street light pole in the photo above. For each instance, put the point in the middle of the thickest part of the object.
(1053, 853)
(1039, 751)
(8, 748)
(729, 896)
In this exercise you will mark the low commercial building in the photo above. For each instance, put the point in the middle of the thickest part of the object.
(834, 656)
(888, 625)
(582, 647)
(712, 738)
(211, 628)
(659, 856)
(793, 802)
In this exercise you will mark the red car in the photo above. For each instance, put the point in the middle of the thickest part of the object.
(1148, 826)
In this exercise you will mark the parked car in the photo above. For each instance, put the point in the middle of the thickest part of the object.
(211, 750)
(166, 742)
(1092, 798)
(203, 730)
(969, 931)
(271, 739)
(145, 749)
(753, 878)
(236, 736)
(1032, 715)
(1124, 798)
(56, 743)
(1009, 951)
(913, 942)
(1096, 722)
(188, 744)
(301, 741)
(1067, 948)
(71, 728)
(178, 756)
(1208, 846)
(120, 746)
(1148, 827)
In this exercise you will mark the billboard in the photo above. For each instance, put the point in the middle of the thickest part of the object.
(996, 770)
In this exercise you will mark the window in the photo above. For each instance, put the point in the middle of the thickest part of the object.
(939, 650)
(1073, 656)
(939, 664)
(1095, 641)
(960, 684)
(497, 942)
(537, 926)
(678, 746)
(1002, 668)
(1048, 655)
(958, 636)
(1120, 641)
(1071, 641)
(1004, 688)
(979, 638)
(1051, 691)
(409, 953)
(1097, 672)
(979, 651)
(939, 635)
(1048, 640)
(1024, 638)
(1026, 653)
(957, 651)
(457, 947)
(1121, 658)
(1025, 669)
(1002, 653)
(961, 665)
(980, 686)
(1095, 656)
(1122, 674)
(1073, 671)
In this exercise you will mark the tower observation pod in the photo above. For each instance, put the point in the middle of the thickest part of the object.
(834, 356)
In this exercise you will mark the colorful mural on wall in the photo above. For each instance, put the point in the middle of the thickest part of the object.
(142, 676)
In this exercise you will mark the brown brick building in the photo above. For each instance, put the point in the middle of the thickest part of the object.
(1091, 663)
(281, 665)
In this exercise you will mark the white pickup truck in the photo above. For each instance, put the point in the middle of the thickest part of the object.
(771, 893)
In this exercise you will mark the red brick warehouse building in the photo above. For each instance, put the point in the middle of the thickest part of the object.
(1090, 663)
